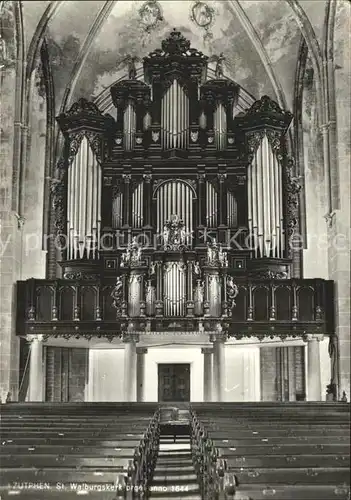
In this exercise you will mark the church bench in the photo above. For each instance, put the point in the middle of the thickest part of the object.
(70, 433)
(256, 493)
(291, 431)
(63, 441)
(272, 476)
(67, 447)
(57, 494)
(76, 449)
(285, 461)
(74, 459)
(236, 439)
(294, 449)
(64, 474)
(295, 492)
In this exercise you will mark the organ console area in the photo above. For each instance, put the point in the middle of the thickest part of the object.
(188, 190)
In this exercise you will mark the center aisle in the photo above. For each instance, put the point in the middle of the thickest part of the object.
(174, 475)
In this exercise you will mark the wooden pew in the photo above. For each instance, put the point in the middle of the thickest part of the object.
(284, 451)
(42, 446)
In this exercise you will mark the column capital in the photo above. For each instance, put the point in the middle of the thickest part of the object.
(127, 178)
(207, 350)
(222, 177)
(313, 336)
(130, 337)
(221, 337)
(142, 350)
(147, 178)
(37, 337)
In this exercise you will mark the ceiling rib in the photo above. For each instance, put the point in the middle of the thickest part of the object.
(314, 49)
(84, 52)
(255, 40)
(50, 11)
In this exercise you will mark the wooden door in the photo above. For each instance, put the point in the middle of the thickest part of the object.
(173, 382)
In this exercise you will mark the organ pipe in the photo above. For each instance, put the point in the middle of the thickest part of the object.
(232, 214)
(117, 208)
(135, 294)
(129, 126)
(265, 207)
(211, 205)
(175, 198)
(220, 126)
(137, 206)
(175, 117)
(84, 204)
(174, 289)
(214, 294)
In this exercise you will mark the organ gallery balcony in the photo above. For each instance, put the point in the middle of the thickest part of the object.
(91, 308)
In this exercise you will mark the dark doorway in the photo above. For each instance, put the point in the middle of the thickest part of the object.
(173, 382)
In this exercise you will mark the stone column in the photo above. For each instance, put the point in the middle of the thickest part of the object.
(207, 352)
(35, 392)
(218, 366)
(140, 375)
(130, 366)
(314, 368)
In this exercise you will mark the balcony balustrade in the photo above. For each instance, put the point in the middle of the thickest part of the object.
(263, 308)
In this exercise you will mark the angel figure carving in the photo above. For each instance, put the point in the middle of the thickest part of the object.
(117, 293)
(130, 61)
(232, 291)
(197, 269)
(219, 60)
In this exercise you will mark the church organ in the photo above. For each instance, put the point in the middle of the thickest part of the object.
(181, 209)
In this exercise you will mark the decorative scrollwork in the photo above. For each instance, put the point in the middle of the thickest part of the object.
(79, 275)
(216, 257)
(203, 16)
(75, 141)
(274, 139)
(95, 144)
(254, 139)
(132, 256)
(269, 275)
(292, 191)
(58, 193)
(117, 295)
(150, 15)
(174, 234)
(265, 105)
(232, 292)
(83, 106)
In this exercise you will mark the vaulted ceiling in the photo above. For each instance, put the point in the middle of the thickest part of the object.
(87, 40)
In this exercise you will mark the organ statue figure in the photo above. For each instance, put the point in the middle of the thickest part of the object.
(132, 255)
(174, 234)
